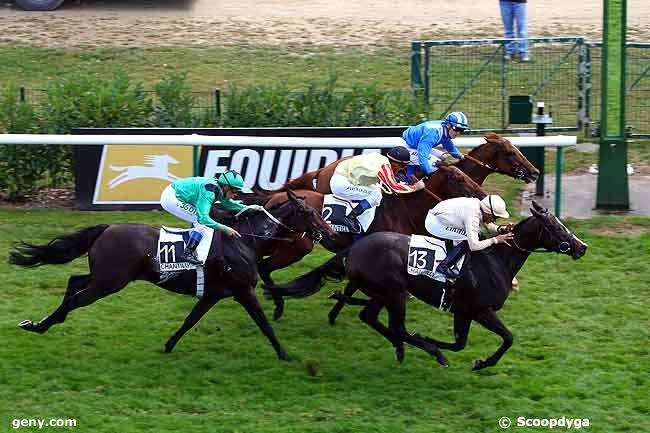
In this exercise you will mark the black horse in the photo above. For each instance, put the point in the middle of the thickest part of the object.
(377, 265)
(121, 253)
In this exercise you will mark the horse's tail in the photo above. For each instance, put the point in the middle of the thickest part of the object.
(311, 282)
(62, 249)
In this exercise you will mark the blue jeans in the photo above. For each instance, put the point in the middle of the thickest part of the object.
(515, 14)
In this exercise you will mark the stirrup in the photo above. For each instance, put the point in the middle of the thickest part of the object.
(448, 271)
(190, 257)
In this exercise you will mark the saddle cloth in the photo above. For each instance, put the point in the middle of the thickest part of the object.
(425, 253)
(334, 209)
(171, 244)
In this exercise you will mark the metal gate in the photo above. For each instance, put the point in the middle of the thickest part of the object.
(475, 76)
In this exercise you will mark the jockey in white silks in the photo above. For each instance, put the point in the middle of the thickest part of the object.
(359, 180)
(421, 140)
(459, 219)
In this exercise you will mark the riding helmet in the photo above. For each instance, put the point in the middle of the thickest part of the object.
(399, 154)
(458, 120)
(494, 205)
(232, 179)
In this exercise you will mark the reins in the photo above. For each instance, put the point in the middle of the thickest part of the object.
(485, 165)
(276, 221)
(542, 250)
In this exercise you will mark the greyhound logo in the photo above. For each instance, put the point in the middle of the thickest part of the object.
(157, 168)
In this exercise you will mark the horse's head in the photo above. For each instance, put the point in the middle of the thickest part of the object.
(301, 217)
(504, 157)
(456, 183)
(554, 236)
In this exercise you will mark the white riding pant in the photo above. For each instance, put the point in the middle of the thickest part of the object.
(438, 229)
(434, 156)
(342, 188)
(182, 210)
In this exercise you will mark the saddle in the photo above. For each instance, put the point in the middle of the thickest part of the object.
(335, 213)
(424, 255)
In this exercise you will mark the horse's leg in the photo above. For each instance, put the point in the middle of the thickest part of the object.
(461, 330)
(250, 302)
(281, 258)
(397, 318)
(489, 319)
(369, 315)
(333, 314)
(77, 296)
(199, 310)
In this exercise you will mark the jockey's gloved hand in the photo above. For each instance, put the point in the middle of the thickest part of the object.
(256, 207)
(505, 228)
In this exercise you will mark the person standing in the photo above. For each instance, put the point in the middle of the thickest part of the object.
(515, 24)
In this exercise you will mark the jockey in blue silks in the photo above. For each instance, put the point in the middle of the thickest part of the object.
(421, 141)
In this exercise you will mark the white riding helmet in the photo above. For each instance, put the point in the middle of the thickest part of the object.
(494, 205)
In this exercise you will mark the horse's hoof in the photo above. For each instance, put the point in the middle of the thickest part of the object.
(28, 325)
(399, 354)
(278, 312)
(169, 347)
(331, 319)
(284, 356)
(479, 364)
(442, 361)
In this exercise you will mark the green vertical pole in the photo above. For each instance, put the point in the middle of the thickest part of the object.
(416, 66)
(613, 192)
(195, 160)
(559, 167)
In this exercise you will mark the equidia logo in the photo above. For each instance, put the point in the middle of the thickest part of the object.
(157, 168)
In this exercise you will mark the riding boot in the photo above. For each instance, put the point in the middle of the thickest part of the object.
(446, 266)
(352, 219)
(189, 254)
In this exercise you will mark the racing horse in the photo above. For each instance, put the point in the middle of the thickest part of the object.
(402, 213)
(496, 155)
(377, 265)
(121, 253)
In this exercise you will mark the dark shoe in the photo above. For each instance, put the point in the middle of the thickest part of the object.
(447, 271)
(190, 256)
(353, 224)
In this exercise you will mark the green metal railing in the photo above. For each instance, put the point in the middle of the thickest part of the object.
(475, 76)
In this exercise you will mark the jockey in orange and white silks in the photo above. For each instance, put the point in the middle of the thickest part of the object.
(459, 219)
(359, 180)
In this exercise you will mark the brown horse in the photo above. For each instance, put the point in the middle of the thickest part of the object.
(401, 213)
(121, 253)
(496, 155)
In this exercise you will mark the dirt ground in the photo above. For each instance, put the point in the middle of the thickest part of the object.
(364, 23)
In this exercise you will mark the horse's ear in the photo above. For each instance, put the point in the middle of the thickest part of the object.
(536, 213)
(538, 208)
(492, 137)
(292, 195)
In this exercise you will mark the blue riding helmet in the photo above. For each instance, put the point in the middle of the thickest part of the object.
(458, 120)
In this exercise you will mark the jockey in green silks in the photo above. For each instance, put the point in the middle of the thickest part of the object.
(191, 199)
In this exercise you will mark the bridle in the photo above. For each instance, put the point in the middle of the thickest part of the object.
(314, 235)
(519, 172)
(563, 246)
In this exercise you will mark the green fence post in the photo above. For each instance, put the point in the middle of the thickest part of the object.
(613, 192)
(416, 66)
(195, 160)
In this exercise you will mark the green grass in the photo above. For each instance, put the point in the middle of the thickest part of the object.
(581, 351)
(210, 68)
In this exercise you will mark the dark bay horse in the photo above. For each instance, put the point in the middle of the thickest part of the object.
(496, 155)
(401, 213)
(121, 253)
(377, 265)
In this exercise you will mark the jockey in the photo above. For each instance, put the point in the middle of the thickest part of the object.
(421, 140)
(459, 219)
(191, 199)
(399, 159)
(358, 180)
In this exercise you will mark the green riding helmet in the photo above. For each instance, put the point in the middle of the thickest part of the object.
(232, 179)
